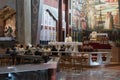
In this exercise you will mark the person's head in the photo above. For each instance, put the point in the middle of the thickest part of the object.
(37, 45)
(68, 35)
(27, 47)
(53, 47)
(8, 49)
(21, 46)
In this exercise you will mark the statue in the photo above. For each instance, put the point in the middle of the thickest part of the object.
(8, 31)
(109, 23)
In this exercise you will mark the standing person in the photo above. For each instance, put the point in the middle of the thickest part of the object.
(68, 38)
(111, 21)
(13, 55)
(83, 21)
(83, 24)
(107, 21)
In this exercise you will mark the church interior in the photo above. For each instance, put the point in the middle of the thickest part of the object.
(59, 40)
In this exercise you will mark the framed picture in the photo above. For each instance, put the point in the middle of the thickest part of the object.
(7, 20)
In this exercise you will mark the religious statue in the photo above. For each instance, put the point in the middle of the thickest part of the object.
(83, 21)
(8, 31)
(109, 23)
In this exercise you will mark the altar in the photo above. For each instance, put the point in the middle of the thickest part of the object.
(98, 58)
(94, 36)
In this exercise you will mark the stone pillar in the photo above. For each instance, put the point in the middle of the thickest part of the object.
(27, 19)
(23, 10)
(34, 19)
(20, 33)
(59, 29)
(67, 16)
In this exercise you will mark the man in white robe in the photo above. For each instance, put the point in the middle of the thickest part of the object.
(68, 38)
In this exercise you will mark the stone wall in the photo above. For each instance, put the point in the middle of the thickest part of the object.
(10, 3)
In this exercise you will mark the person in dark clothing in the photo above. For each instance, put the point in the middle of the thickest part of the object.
(54, 53)
(13, 55)
(28, 52)
(62, 49)
(8, 51)
(38, 53)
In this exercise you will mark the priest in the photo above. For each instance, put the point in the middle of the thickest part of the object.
(68, 38)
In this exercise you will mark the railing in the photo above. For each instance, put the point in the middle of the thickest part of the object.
(43, 71)
(94, 58)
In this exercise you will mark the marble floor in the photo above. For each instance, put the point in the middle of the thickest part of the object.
(101, 73)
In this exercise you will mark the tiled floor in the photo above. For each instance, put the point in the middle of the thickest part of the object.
(102, 73)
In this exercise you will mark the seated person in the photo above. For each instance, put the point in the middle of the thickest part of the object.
(68, 38)
(28, 52)
(37, 52)
(54, 53)
(68, 50)
(62, 49)
(8, 51)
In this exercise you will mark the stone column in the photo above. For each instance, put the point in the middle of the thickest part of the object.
(34, 21)
(59, 29)
(67, 16)
(23, 18)
(20, 33)
(27, 19)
